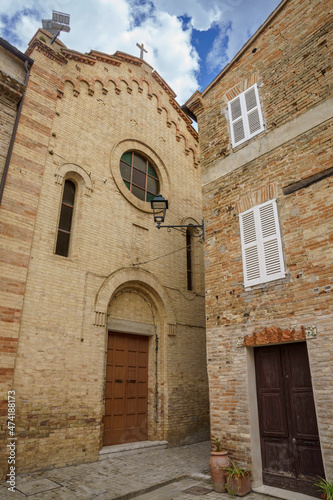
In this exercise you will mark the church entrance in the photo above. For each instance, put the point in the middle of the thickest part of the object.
(126, 389)
(290, 447)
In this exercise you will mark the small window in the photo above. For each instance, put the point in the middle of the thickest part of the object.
(139, 176)
(65, 221)
(189, 260)
(245, 116)
(261, 244)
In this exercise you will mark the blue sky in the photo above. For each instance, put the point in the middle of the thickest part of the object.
(188, 41)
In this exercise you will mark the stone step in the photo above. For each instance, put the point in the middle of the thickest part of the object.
(119, 450)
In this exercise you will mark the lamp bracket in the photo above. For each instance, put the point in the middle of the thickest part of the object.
(199, 228)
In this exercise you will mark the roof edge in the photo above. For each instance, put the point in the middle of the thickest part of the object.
(16, 52)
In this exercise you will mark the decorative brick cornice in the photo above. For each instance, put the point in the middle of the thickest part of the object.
(195, 104)
(176, 106)
(192, 131)
(163, 84)
(78, 56)
(116, 81)
(46, 51)
(122, 56)
(10, 87)
(105, 58)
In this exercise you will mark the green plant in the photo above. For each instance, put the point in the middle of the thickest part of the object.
(42, 38)
(234, 471)
(325, 487)
(218, 445)
(230, 491)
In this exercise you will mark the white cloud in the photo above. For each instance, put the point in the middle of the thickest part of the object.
(202, 12)
(111, 25)
(235, 28)
(169, 51)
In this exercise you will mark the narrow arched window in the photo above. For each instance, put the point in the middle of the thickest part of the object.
(189, 259)
(65, 221)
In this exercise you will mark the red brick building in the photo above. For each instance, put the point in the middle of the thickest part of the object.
(265, 130)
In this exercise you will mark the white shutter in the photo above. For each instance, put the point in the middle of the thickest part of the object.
(245, 116)
(261, 244)
(237, 125)
(254, 116)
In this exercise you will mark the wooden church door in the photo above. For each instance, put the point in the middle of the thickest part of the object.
(126, 389)
(290, 447)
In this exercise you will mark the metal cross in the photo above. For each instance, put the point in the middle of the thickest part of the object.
(142, 50)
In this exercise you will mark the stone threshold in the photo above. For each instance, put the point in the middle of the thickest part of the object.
(280, 493)
(119, 450)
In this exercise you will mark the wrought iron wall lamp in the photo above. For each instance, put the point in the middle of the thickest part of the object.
(160, 206)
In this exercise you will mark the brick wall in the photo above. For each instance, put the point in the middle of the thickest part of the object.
(303, 298)
(291, 67)
(293, 73)
(81, 113)
(16, 219)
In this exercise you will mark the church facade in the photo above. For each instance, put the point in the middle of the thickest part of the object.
(265, 130)
(103, 324)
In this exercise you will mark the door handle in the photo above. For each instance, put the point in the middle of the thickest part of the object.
(118, 380)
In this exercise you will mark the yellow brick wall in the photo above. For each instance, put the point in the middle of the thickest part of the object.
(76, 123)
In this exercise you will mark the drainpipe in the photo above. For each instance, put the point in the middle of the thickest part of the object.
(12, 140)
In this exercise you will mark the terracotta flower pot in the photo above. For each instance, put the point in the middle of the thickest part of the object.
(217, 462)
(238, 485)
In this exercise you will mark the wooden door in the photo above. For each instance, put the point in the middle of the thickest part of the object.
(126, 390)
(290, 447)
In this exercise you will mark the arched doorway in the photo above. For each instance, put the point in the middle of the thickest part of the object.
(132, 341)
(138, 316)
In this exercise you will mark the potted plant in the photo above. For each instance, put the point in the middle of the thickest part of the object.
(217, 463)
(238, 480)
(326, 488)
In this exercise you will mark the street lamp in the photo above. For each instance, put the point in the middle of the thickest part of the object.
(160, 205)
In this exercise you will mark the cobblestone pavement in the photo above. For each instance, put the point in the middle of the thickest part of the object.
(157, 474)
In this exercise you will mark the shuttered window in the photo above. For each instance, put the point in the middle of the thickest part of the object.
(261, 244)
(245, 116)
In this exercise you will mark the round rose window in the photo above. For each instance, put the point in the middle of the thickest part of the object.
(139, 176)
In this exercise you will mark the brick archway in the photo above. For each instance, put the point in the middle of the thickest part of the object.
(141, 280)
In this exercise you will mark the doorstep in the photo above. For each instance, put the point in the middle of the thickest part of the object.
(118, 450)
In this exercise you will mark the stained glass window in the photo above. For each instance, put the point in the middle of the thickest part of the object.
(139, 176)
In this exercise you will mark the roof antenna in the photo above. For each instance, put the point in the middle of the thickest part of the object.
(58, 23)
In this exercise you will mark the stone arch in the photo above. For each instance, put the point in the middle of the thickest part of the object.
(142, 281)
(144, 80)
(66, 79)
(189, 220)
(67, 168)
(195, 157)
